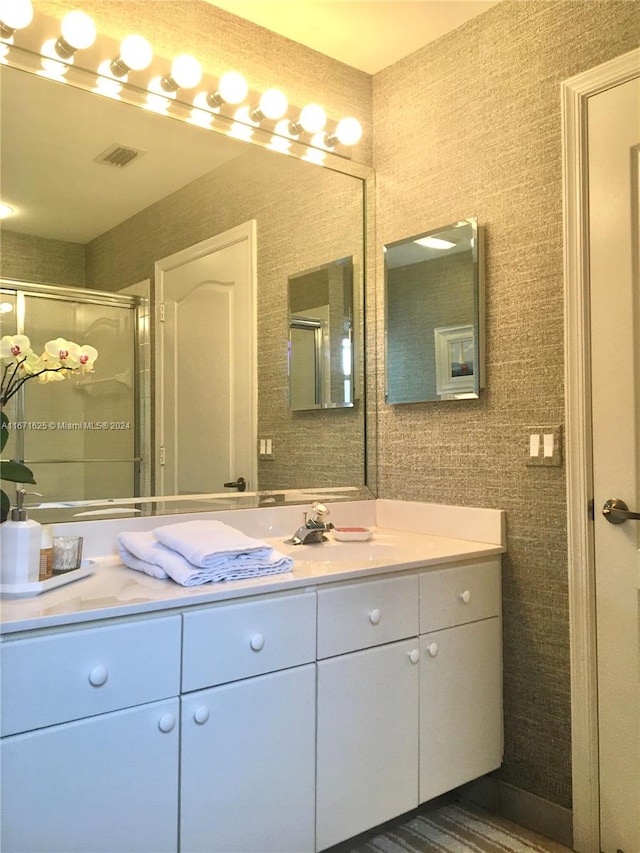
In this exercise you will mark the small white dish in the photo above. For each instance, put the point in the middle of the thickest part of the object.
(351, 534)
(27, 590)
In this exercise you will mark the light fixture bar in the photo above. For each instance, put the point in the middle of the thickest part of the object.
(305, 127)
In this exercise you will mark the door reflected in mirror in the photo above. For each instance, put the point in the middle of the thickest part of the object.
(321, 368)
(434, 313)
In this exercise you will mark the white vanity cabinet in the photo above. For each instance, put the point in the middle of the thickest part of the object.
(460, 676)
(247, 779)
(367, 727)
(82, 768)
(281, 722)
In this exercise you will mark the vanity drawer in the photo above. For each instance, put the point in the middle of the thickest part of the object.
(65, 676)
(459, 594)
(370, 613)
(227, 642)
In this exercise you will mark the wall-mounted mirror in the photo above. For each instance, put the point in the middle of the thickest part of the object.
(321, 337)
(434, 315)
(85, 224)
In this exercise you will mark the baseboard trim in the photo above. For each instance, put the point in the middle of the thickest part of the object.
(533, 812)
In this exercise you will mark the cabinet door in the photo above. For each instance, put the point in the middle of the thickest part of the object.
(248, 765)
(104, 784)
(367, 740)
(460, 705)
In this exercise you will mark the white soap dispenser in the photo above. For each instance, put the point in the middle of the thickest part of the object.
(20, 542)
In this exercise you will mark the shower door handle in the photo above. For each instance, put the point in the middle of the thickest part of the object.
(240, 484)
(617, 512)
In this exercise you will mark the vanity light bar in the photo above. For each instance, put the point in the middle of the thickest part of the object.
(78, 32)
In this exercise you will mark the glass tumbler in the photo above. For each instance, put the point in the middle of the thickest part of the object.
(67, 553)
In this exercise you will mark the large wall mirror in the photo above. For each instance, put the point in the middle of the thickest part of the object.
(80, 260)
(434, 313)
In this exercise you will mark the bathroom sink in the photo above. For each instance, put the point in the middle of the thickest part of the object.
(330, 551)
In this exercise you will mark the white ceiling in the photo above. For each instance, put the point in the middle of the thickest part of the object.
(48, 191)
(364, 34)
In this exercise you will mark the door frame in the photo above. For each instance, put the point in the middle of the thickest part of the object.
(248, 232)
(584, 680)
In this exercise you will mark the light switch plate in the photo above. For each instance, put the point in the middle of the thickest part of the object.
(265, 447)
(549, 442)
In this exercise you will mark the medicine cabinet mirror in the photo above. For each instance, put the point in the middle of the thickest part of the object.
(321, 370)
(434, 315)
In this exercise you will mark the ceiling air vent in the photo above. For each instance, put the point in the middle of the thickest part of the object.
(119, 155)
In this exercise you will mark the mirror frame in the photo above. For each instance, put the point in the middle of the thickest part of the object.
(29, 60)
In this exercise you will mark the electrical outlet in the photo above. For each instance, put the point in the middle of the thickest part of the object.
(544, 447)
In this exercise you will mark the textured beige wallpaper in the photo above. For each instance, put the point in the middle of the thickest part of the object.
(470, 125)
(36, 259)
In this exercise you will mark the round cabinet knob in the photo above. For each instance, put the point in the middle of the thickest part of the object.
(98, 676)
(257, 642)
(432, 648)
(166, 722)
(375, 616)
(414, 655)
(201, 715)
(465, 597)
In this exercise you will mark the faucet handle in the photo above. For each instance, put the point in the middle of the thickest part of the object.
(318, 512)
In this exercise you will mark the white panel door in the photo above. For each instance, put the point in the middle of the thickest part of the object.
(248, 765)
(105, 784)
(614, 161)
(367, 740)
(206, 391)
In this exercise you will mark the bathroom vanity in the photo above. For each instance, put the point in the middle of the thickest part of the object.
(286, 713)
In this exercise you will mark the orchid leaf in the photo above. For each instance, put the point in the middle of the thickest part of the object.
(4, 430)
(5, 505)
(16, 472)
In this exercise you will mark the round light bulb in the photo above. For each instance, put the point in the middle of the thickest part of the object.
(273, 104)
(186, 71)
(16, 14)
(136, 52)
(78, 30)
(6, 307)
(5, 210)
(233, 87)
(312, 118)
(348, 131)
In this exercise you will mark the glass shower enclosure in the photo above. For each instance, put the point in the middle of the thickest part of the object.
(84, 438)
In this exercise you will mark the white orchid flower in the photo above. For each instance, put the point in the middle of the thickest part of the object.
(67, 353)
(14, 348)
(88, 355)
(31, 364)
(61, 358)
(51, 375)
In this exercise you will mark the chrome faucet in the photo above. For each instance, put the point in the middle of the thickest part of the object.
(314, 527)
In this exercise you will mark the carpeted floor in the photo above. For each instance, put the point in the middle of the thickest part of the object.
(453, 828)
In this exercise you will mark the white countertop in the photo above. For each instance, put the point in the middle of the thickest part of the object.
(115, 591)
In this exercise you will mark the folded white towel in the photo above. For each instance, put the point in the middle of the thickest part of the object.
(209, 544)
(143, 552)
